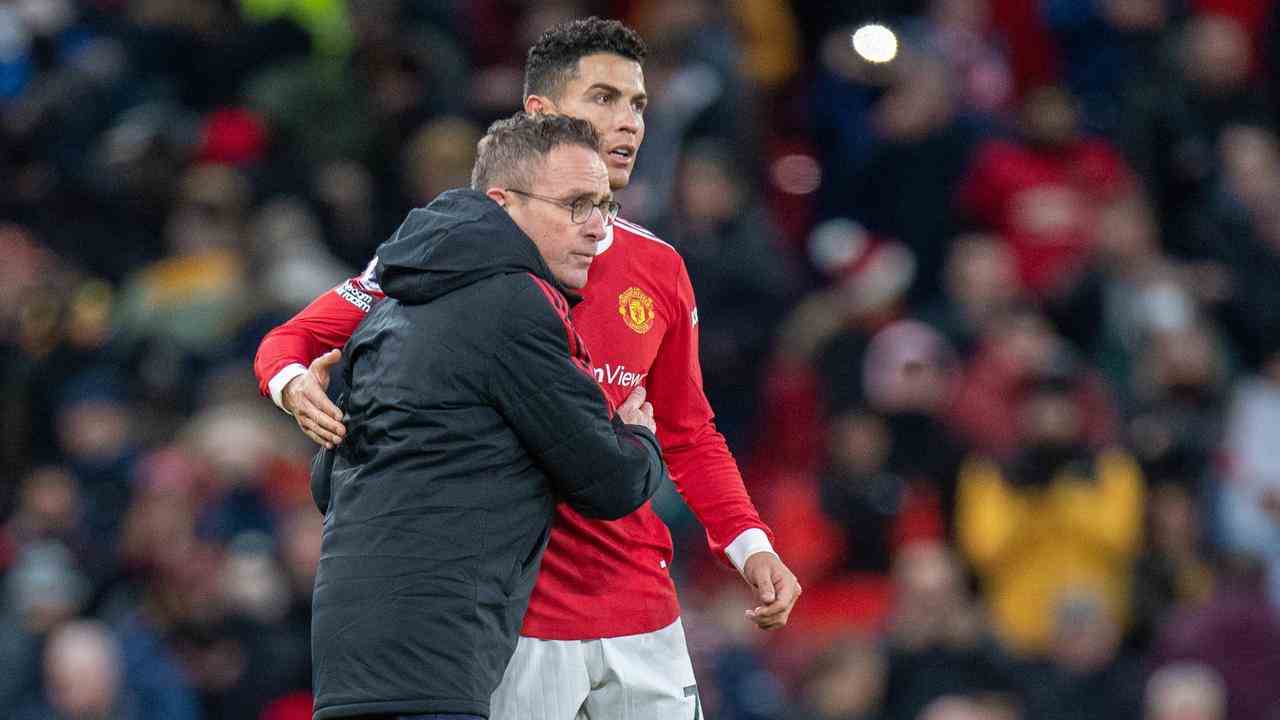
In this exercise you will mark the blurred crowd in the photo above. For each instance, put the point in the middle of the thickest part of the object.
(993, 329)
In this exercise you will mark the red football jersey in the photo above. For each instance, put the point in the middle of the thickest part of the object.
(639, 321)
(1044, 203)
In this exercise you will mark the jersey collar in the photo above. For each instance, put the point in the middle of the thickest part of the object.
(606, 242)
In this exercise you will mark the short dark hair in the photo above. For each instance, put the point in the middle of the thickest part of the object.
(506, 155)
(553, 60)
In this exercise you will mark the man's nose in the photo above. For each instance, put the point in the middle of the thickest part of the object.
(593, 228)
(629, 120)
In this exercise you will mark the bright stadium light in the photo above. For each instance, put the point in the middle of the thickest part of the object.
(875, 43)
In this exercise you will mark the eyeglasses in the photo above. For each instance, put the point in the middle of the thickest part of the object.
(580, 209)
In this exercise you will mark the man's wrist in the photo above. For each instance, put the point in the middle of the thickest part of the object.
(282, 378)
(748, 543)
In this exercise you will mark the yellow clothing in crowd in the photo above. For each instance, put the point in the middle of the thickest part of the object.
(1034, 545)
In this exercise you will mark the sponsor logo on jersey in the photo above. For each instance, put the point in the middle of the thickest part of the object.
(351, 294)
(636, 309)
(618, 375)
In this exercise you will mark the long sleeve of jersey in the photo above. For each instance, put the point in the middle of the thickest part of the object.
(325, 324)
(699, 461)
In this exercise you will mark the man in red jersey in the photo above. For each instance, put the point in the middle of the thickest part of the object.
(602, 637)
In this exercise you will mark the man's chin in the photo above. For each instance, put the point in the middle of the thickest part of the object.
(619, 178)
(574, 281)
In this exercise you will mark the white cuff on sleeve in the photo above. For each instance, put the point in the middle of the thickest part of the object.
(282, 378)
(748, 543)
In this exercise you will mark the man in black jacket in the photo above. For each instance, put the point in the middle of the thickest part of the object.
(471, 411)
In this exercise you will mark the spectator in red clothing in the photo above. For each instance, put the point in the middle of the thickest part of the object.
(1018, 346)
(816, 367)
(1041, 193)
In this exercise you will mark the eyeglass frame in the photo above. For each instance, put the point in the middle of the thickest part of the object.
(608, 216)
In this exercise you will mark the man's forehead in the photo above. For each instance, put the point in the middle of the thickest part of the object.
(609, 69)
(573, 167)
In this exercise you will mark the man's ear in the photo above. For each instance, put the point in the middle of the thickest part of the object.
(535, 104)
(497, 195)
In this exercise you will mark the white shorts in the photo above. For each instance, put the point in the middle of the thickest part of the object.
(634, 677)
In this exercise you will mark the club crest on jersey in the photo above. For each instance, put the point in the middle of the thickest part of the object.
(636, 309)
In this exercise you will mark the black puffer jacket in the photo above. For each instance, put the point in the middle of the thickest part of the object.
(471, 411)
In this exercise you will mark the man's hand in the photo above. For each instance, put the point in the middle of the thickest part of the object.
(775, 588)
(635, 411)
(304, 397)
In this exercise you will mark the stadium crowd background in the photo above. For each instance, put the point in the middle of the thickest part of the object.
(1047, 234)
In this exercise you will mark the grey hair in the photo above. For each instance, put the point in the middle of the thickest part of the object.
(508, 154)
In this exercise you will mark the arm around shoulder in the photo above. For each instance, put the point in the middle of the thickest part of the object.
(541, 383)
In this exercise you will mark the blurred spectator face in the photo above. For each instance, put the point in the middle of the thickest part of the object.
(927, 579)
(94, 429)
(283, 228)
(373, 22)
(981, 276)
(969, 16)
(1251, 165)
(930, 603)
(1175, 521)
(439, 157)
(710, 191)
(1051, 417)
(159, 527)
(300, 547)
(1216, 54)
(235, 440)
(45, 17)
(345, 187)
(848, 681)
(1085, 636)
(1271, 368)
(953, 708)
(539, 16)
(254, 584)
(94, 422)
(859, 444)
(919, 103)
(26, 265)
(45, 587)
(1135, 15)
(1186, 691)
(83, 670)
(89, 316)
(48, 502)
(1127, 233)
(1050, 117)
(209, 210)
(1024, 342)
(908, 369)
(1184, 363)
(616, 113)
